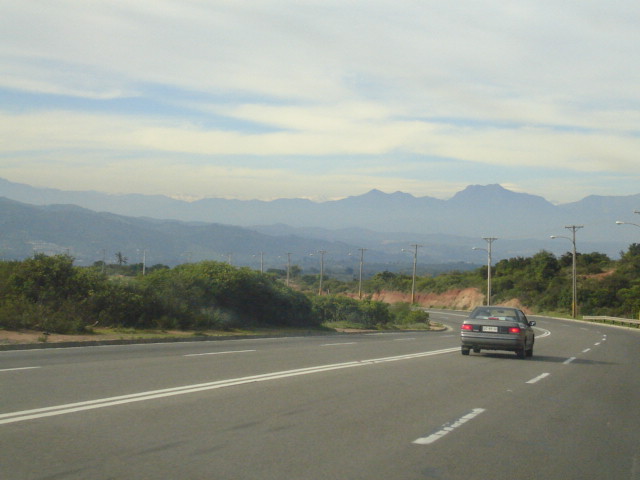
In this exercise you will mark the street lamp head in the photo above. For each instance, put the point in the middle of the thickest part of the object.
(618, 222)
(553, 236)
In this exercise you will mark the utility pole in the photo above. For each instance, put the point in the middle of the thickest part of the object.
(574, 276)
(288, 267)
(321, 252)
(261, 262)
(489, 241)
(413, 277)
(362, 250)
(574, 304)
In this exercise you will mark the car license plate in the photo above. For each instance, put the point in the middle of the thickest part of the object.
(490, 329)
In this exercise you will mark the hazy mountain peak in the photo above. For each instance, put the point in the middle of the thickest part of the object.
(471, 191)
(497, 194)
(379, 193)
(472, 211)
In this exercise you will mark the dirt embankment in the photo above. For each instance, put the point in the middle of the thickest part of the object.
(462, 299)
(458, 299)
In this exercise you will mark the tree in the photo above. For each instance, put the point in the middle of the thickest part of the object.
(121, 259)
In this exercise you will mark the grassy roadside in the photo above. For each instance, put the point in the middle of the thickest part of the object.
(31, 337)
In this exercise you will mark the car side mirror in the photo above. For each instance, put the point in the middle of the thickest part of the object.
(532, 323)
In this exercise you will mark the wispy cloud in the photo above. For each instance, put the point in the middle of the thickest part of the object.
(261, 96)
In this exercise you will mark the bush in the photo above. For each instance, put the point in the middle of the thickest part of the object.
(340, 309)
(218, 295)
(405, 315)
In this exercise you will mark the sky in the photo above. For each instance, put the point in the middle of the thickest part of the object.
(321, 99)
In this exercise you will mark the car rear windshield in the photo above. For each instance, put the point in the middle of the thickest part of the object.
(494, 314)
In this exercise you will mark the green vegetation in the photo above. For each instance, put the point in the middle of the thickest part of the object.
(50, 294)
(333, 309)
(543, 282)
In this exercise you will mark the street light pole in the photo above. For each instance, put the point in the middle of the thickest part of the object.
(629, 223)
(574, 280)
(489, 241)
(288, 267)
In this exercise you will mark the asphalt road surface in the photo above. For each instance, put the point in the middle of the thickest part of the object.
(386, 406)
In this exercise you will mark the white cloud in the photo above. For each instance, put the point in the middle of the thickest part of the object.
(311, 133)
(536, 83)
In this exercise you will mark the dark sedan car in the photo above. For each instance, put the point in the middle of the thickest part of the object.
(498, 328)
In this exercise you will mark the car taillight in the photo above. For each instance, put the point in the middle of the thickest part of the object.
(514, 329)
(467, 327)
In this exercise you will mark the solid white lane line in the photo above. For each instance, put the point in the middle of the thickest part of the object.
(569, 360)
(20, 416)
(538, 378)
(17, 368)
(402, 339)
(218, 353)
(545, 332)
(337, 344)
(449, 313)
(449, 427)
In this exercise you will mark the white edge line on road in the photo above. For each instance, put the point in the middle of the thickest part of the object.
(569, 360)
(337, 344)
(218, 353)
(439, 312)
(545, 332)
(19, 416)
(449, 427)
(538, 378)
(18, 368)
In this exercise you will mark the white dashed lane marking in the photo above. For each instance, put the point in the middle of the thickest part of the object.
(538, 378)
(449, 427)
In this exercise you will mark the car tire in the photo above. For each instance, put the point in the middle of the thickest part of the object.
(476, 350)
(521, 353)
(529, 352)
(465, 350)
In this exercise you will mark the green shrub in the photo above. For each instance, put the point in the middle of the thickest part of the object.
(405, 315)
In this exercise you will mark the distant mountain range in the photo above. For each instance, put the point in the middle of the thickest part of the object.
(173, 231)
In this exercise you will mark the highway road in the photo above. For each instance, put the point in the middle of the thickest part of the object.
(359, 406)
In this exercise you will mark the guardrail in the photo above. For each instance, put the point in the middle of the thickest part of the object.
(625, 322)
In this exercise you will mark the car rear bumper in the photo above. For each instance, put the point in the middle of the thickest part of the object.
(492, 342)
